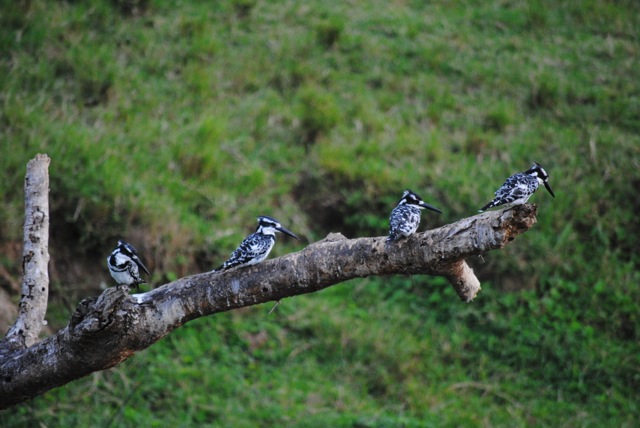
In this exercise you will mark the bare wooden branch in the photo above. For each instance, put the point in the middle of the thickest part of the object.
(35, 257)
(107, 330)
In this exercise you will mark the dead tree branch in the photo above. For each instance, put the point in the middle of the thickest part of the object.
(35, 258)
(106, 330)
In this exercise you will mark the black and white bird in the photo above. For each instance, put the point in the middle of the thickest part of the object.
(257, 246)
(405, 217)
(125, 265)
(519, 187)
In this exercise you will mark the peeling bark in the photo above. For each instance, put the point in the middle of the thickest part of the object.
(106, 330)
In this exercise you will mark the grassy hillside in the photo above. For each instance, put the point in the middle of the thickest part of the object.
(174, 124)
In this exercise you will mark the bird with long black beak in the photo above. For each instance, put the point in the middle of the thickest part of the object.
(257, 246)
(405, 217)
(125, 265)
(519, 187)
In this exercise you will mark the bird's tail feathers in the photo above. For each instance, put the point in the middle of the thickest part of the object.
(486, 207)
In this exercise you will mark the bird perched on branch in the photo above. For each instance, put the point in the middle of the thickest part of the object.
(405, 217)
(519, 187)
(125, 265)
(257, 246)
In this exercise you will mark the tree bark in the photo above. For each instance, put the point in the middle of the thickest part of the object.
(106, 330)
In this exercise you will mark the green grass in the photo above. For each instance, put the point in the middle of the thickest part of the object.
(410, 355)
(174, 124)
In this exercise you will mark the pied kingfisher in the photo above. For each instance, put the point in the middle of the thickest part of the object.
(405, 217)
(257, 246)
(519, 187)
(124, 265)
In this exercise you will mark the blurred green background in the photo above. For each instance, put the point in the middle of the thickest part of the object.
(173, 124)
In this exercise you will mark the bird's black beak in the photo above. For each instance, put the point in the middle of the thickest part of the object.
(288, 232)
(429, 207)
(141, 265)
(548, 187)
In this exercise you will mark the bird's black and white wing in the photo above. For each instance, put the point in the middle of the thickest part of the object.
(404, 221)
(517, 189)
(254, 249)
